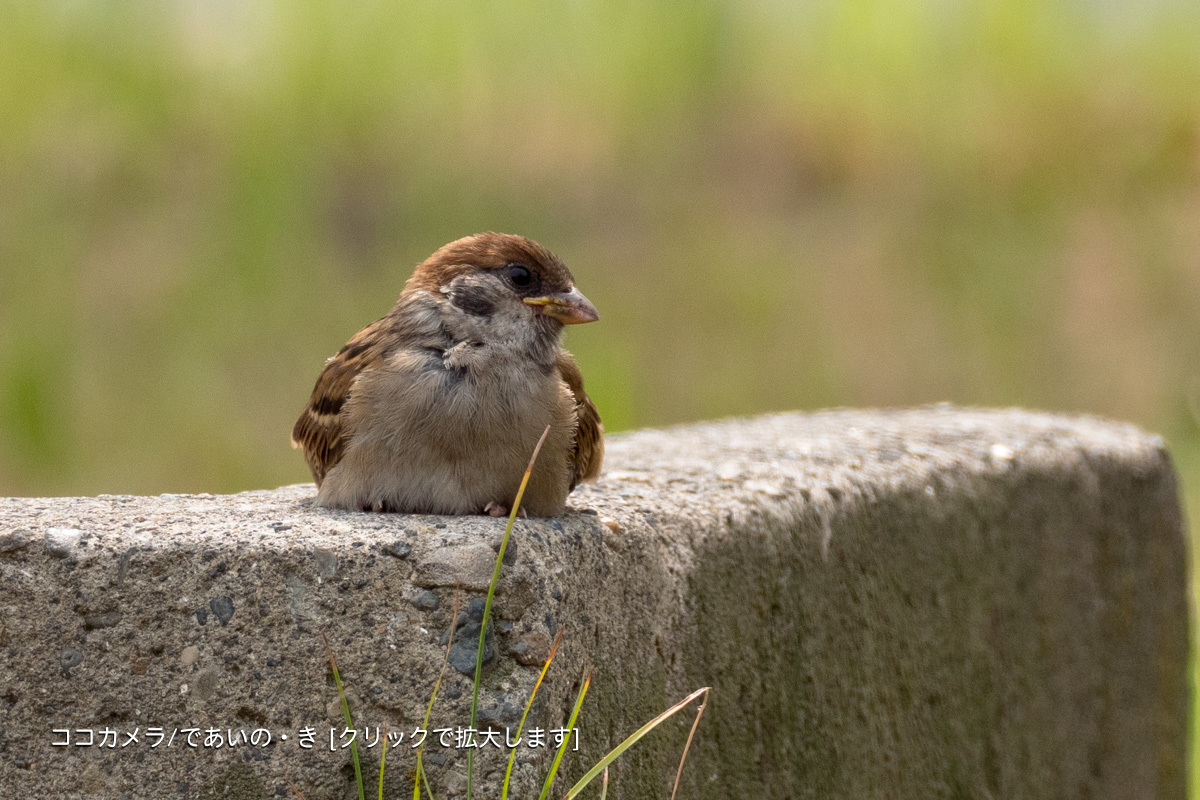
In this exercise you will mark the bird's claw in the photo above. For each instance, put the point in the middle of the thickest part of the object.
(494, 509)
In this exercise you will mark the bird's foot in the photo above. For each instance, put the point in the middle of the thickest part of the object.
(494, 509)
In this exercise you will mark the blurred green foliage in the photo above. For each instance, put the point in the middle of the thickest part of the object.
(848, 203)
(774, 205)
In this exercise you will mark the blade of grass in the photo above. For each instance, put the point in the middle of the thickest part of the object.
(604, 785)
(420, 774)
(382, 762)
(570, 727)
(512, 756)
(362, 792)
(487, 606)
(687, 745)
(425, 778)
(616, 752)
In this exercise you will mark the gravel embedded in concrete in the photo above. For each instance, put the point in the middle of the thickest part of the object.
(930, 603)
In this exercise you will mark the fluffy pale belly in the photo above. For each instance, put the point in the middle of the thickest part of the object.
(436, 441)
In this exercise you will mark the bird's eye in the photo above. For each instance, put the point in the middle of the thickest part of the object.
(519, 275)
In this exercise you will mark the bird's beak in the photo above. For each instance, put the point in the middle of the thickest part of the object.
(569, 308)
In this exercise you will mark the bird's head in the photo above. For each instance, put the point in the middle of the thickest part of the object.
(506, 280)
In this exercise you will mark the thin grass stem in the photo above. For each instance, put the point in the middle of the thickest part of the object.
(382, 762)
(420, 772)
(512, 756)
(337, 679)
(616, 752)
(425, 778)
(688, 744)
(570, 728)
(487, 606)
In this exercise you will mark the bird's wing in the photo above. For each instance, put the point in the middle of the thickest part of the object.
(589, 430)
(320, 430)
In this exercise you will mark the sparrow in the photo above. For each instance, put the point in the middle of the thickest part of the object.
(436, 407)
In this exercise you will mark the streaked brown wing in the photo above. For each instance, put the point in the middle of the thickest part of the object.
(589, 435)
(319, 430)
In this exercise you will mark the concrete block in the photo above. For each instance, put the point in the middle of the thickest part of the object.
(933, 603)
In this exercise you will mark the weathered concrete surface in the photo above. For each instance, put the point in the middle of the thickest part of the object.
(938, 603)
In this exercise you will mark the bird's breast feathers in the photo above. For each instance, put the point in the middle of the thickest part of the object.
(436, 406)
(470, 384)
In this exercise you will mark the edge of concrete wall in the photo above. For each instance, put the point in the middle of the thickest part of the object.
(938, 602)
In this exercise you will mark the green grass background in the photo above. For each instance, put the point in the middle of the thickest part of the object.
(774, 205)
